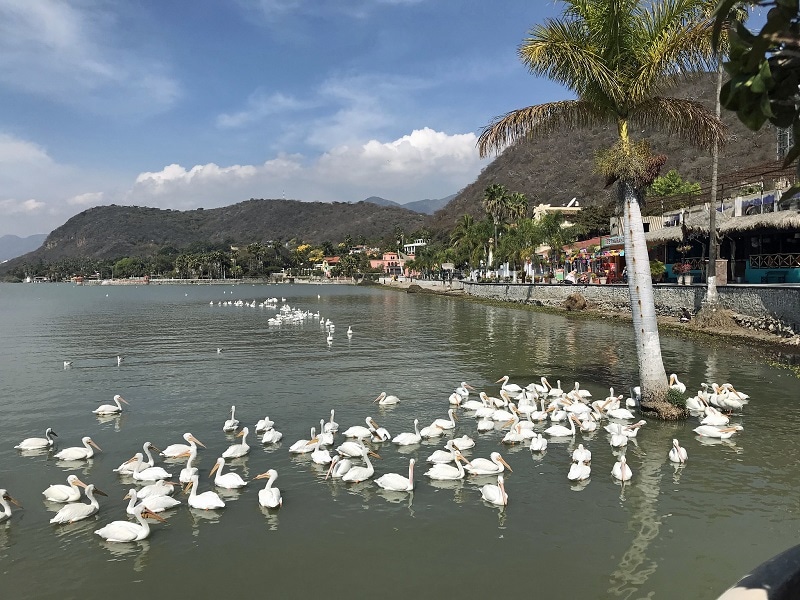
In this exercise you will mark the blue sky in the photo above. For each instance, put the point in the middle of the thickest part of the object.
(208, 103)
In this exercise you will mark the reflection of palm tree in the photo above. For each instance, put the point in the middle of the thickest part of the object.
(617, 58)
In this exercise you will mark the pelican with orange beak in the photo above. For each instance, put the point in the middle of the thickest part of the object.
(78, 453)
(177, 450)
(5, 498)
(125, 531)
(111, 409)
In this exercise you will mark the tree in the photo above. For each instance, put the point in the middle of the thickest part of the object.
(617, 57)
(495, 198)
(672, 184)
(595, 220)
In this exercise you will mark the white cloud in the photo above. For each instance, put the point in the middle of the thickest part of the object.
(259, 106)
(69, 53)
(13, 207)
(87, 199)
(15, 150)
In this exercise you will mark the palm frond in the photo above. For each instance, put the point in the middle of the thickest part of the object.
(683, 118)
(541, 119)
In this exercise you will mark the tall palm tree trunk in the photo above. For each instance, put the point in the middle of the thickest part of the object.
(653, 377)
(712, 299)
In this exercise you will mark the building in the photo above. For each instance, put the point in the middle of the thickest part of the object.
(391, 263)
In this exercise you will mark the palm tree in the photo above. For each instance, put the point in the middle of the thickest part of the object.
(495, 200)
(618, 57)
(469, 239)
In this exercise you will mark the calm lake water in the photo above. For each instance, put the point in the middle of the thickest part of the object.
(670, 533)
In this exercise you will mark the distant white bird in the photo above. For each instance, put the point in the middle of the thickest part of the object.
(677, 453)
(338, 467)
(111, 409)
(35, 443)
(177, 450)
(385, 400)
(77, 511)
(67, 364)
(65, 493)
(158, 488)
(449, 423)
(230, 480)
(238, 450)
(675, 384)
(396, 482)
(722, 433)
(206, 501)
(464, 442)
(271, 436)
(305, 446)
(492, 466)
(621, 470)
(119, 360)
(579, 471)
(5, 498)
(359, 473)
(78, 453)
(511, 388)
(581, 454)
(232, 423)
(152, 503)
(495, 494)
(407, 439)
(349, 331)
(263, 424)
(331, 426)
(538, 443)
(269, 497)
(143, 473)
(125, 531)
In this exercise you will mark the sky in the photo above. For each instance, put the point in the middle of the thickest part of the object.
(211, 102)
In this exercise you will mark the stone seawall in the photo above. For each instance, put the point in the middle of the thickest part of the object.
(779, 302)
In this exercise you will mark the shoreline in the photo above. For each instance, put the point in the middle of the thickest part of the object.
(783, 347)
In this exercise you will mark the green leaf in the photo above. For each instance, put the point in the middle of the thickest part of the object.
(791, 155)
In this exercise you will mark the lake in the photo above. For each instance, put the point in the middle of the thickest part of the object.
(671, 532)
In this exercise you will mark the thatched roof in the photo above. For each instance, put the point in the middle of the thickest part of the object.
(785, 219)
(694, 221)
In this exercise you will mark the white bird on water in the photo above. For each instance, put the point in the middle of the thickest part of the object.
(621, 470)
(358, 474)
(67, 364)
(5, 498)
(408, 439)
(269, 497)
(120, 359)
(232, 423)
(396, 482)
(147, 473)
(128, 466)
(35, 443)
(152, 503)
(178, 450)
(230, 480)
(206, 501)
(338, 467)
(78, 453)
(495, 494)
(386, 400)
(677, 453)
(125, 531)
(488, 466)
(77, 511)
(65, 493)
(111, 409)
(238, 450)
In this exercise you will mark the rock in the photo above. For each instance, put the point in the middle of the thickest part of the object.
(575, 302)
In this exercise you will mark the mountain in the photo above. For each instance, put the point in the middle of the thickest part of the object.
(425, 207)
(559, 167)
(108, 232)
(12, 246)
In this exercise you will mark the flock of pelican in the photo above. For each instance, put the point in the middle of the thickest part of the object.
(530, 415)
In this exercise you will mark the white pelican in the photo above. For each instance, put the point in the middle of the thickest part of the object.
(187, 472)
(120, 359)
(677, 453)
(578, 394)
(621, 470)
(357, 474)
(560, 430)
(177, 450)
(271, 436)
(626, 430)
(5, 498)
(463, 443)
(263, 424)
(445, 456)
(385, 400)
(675, 384)
(579, 471)
(464, 389)
(67, 364)
(351, 449)
(339, 466)
(431, 431)
(324, 438)
(331, 426)
(305, 446)
(398, 483)
(472, 404)
(349, 331)
(487, 409)
(581, 454)
(125, 531)
(588, 423)
(696, 404)
(147, 473)
(379, 434)
(511, 388)
(485, 424)
(232, 423)
(111, 409)
(620, 413)
(321, 456)
(538, 443)
(714, 417)
(229, 481)
(449, 423)
(407, 439)
(75, 511)
(488, 466)
(455, 400)
(443, 472)
(269, 497)
(207, 500)
(35, 443)
(517, 435)
(722, 433)
(495, 494)
(78, 453)
(158, 488)
(539, 388)
(65, 493)
(128, 466)
(152, 503)
(359, 431)
(238, 450)
(556, 391)
(618, 440)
